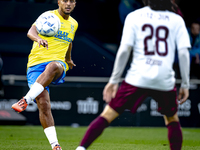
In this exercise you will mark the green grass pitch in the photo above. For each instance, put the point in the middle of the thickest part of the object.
(113, 138)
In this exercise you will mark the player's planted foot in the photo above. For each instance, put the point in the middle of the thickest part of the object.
(20, 105)
(57, 147)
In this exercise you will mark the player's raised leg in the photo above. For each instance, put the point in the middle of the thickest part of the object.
(97, 126)
(52, 72)
(175, 136)
(22, 104)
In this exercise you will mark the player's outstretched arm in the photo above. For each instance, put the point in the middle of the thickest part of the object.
(33, 35)
(68, 58)
(184, 64)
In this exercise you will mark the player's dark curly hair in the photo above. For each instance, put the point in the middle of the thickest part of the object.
(160, 4)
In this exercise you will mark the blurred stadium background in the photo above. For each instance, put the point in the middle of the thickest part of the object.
(79, 100)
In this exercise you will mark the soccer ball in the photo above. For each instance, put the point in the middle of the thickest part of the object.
(48, 24)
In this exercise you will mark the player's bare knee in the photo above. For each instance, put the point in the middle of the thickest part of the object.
(170, 119)
(109, 114)
(44, 105)
(55, 67)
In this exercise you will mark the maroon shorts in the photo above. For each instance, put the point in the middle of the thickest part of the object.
(131, 97)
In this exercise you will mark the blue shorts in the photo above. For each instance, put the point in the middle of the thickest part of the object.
(34, 72)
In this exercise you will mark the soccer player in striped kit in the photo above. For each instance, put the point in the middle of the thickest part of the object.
(153, 33)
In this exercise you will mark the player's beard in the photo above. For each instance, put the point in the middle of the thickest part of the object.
(68, 13)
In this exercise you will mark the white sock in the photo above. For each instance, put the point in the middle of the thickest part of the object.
(35, 90)
(51, 135)
(80, 148)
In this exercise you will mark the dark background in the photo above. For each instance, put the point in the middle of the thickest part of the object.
(96, 40)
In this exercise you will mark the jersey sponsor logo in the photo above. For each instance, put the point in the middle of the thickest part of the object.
(88, 106)
(150, 61)
(63, 36)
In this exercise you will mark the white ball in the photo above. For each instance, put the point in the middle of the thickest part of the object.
(48, 24)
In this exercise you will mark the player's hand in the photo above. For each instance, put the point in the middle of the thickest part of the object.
(42, 42)
(183, 95)
(109, 92)
(70, 63)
